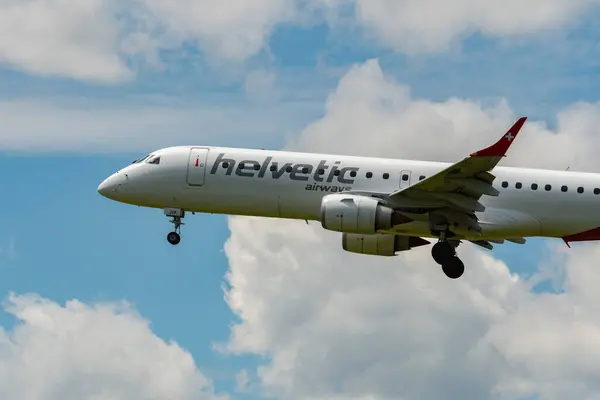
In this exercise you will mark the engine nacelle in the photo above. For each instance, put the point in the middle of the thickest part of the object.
(380, 244)
(357, 214)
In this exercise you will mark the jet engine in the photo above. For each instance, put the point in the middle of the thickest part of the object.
(380, 244)
(358, 214)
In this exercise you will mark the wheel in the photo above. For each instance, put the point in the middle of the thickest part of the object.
(453, 268)
(173, 238)
(442, 252)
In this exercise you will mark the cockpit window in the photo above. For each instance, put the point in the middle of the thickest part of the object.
(153, 160)
(141, 159)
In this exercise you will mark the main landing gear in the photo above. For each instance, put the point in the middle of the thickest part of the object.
(177, 214)
(444, 253)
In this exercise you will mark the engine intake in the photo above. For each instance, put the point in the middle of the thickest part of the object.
(380, 244)
(358, 214)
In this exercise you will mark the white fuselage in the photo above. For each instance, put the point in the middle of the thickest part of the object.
(287, 185)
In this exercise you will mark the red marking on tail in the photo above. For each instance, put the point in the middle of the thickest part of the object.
(590, 235)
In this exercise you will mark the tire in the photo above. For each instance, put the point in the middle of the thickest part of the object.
(442, 252)
(453, 268)
(173, 238)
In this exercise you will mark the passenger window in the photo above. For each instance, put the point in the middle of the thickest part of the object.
(369, 174)
(288, 169)
(273, 168)
(548, 188)
(305, 170)
(337, 172)
(596, 191)
(225, 164)
(518, 185)
(580, 189)
(353, 173)
(241, 165)
(422, 177)
(534, 186)
(504, 184)
(256, 167)
(564, 189)
(404, 177)
(386, 175)
(321, 171)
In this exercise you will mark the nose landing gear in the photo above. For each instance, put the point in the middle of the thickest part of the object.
(177, 214)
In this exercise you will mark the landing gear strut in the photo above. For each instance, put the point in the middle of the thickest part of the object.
(444, 253)
(177, 214)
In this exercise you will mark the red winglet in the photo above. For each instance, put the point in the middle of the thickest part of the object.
(500, 148)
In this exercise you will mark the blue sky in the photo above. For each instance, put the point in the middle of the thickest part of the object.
(62, 240)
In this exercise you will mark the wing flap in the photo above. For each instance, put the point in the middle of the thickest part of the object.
(465, 219)
(477, 186)
(483, 243)
(462, 202)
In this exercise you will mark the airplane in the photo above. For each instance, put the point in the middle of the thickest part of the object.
(380, 206)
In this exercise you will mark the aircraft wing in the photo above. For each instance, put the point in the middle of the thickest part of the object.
(460, 186)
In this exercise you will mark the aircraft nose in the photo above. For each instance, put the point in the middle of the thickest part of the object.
(111, 185)
(107, 187)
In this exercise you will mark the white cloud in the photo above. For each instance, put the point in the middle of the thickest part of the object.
(335, 325)
(104, 40)
(231, 29)
(339, 324)
(242, 381)
(80, 351)
(61, 37)
(95, 39)
(142, 124)
(433, 25)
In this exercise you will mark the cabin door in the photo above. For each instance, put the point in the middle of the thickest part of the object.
(197, 166)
